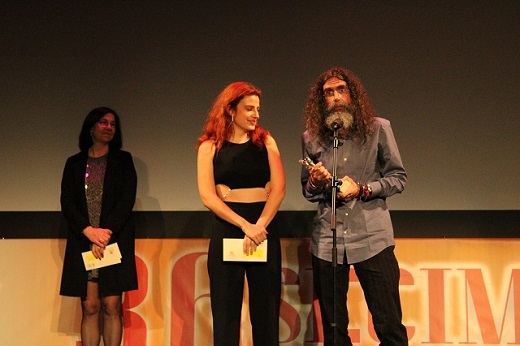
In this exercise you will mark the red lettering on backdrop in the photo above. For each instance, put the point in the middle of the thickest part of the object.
(436, 301)
(287, 312)
(515, 283)
(318, 322)
(476, 285)
(183, 299)
(184, 285)
(134, 332)
(355, 334)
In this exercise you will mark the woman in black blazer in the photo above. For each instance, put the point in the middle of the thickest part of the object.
(98, 192)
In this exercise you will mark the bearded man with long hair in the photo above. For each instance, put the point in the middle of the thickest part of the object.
(370, 169)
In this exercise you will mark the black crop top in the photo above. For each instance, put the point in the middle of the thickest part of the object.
(241, 165)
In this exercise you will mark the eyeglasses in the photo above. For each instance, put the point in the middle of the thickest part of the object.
(104, 123)
(341, 90)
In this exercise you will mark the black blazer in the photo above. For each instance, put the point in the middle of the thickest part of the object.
(119, 191)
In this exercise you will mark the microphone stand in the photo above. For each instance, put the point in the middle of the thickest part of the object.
(335, 184)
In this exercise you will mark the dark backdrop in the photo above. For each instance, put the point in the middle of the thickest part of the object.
(446, 74)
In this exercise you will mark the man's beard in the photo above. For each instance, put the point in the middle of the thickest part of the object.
(341, 114)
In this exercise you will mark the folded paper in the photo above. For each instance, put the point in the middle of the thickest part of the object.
(111, 256)
(234, 251)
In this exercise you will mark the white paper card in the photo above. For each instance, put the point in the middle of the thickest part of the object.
(234, 251)
(111, 256)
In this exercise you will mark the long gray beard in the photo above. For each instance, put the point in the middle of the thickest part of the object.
(343, 118)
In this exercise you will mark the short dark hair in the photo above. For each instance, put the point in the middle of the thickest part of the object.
(85, 137)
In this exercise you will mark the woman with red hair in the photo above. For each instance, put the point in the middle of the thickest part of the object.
(242, 181)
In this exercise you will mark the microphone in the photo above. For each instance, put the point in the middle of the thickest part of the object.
(334, 123)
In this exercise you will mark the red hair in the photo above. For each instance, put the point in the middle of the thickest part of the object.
(219, 126)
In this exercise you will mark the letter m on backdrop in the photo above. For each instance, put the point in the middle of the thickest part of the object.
(476, 292)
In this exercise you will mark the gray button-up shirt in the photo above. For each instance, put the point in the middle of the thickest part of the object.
(363, 228)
